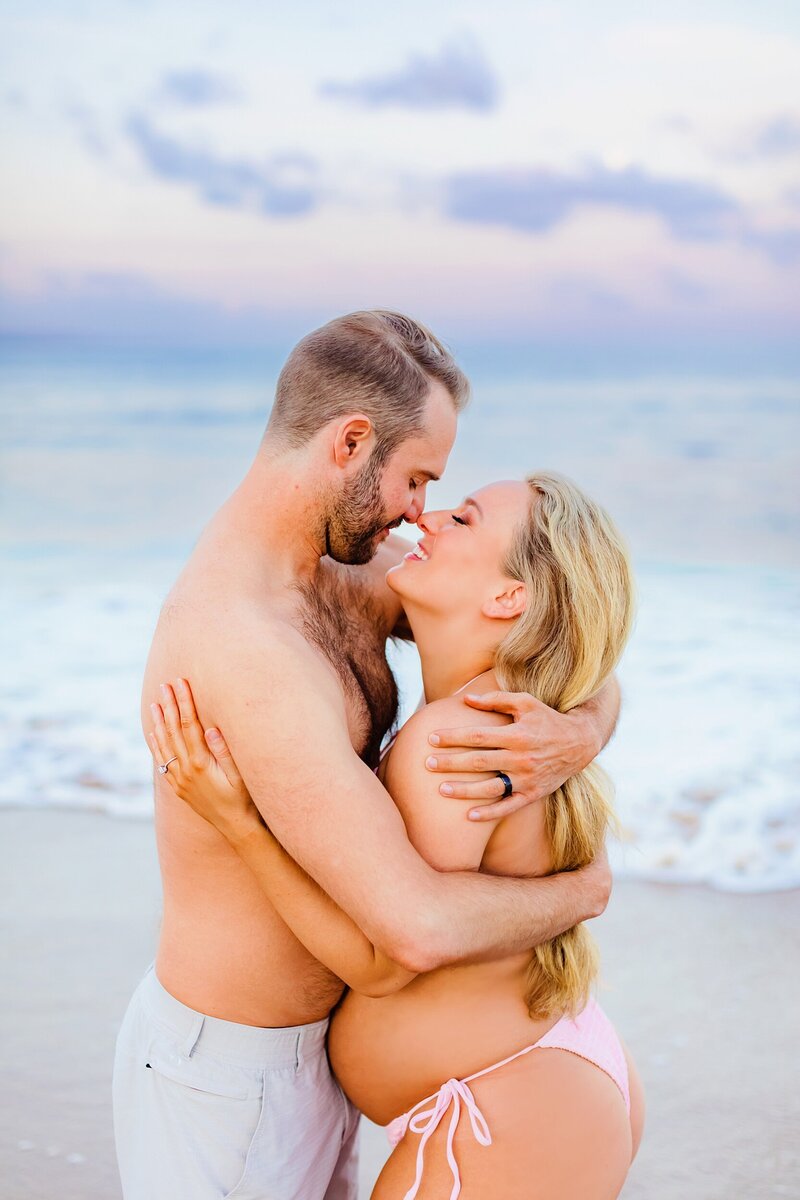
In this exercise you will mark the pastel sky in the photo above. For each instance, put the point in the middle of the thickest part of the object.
(512, 172)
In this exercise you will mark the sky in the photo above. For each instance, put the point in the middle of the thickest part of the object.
(517, 174)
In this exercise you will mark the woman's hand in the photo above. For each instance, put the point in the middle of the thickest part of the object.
(201, 769)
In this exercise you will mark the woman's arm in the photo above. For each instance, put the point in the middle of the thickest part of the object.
(205, 776)
(323, 928)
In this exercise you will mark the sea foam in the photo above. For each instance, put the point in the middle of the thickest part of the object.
(705, 760)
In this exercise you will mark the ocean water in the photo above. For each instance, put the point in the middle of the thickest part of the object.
(112, 462)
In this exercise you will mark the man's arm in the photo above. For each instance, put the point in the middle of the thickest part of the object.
(204, 775)
(283, 714)
(538, 751)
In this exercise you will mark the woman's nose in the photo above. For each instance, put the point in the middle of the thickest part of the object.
(431, 522)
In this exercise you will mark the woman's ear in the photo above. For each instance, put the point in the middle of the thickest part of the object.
(508, 603)
(353, 439)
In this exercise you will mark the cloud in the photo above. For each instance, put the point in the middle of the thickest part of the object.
(88, 128)
(577, 293)
(684, 288)
(774, 139)
(537, 200)
(196, 88)
(131, 309)
(14, 98)
(457, 77)
(676, 123)
(778, 137)
(781, 245)
(123, 307)
(283, 186)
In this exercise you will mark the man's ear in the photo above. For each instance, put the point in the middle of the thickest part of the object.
(508, 603)
(353, 439)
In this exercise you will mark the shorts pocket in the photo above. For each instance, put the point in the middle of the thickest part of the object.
(241, 1189)
(211, 1114)
(204, 1075)
(346, 1107)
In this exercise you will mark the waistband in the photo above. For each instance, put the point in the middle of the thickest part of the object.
(247, 1045)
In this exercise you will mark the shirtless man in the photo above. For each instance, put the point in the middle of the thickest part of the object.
(280, 618)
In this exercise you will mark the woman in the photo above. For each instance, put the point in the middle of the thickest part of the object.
(504, 1078)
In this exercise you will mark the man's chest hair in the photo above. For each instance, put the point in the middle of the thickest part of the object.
(338, 615)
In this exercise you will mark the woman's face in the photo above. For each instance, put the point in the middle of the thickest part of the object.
(458, 562)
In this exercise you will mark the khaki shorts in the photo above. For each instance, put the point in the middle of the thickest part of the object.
(210, 1110)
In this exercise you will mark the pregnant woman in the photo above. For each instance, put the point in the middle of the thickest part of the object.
(499, 1079)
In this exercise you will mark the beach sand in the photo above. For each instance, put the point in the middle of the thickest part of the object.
(703, 987)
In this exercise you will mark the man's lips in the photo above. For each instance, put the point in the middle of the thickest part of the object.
(390, 528)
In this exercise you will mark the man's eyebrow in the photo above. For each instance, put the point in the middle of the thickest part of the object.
(474, 504)
(429, 475)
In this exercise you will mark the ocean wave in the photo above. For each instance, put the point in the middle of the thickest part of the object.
(706, 759)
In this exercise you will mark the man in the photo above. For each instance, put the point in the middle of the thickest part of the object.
(280, 619)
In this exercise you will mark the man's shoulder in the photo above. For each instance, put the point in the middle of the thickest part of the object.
(266, 685)
(258, 638)
(237, 634)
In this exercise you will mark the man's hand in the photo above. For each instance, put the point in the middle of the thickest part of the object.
(538, 751)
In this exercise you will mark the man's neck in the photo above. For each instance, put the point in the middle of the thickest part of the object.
(274, 515)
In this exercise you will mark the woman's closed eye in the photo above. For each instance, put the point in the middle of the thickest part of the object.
(459, 520)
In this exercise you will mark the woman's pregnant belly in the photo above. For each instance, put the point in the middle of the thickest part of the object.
(389, 1053)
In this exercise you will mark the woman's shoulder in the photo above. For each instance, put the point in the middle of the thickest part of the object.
(437, 825)
(451, 712)
(431, 716)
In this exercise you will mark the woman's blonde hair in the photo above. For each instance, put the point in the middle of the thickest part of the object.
(562, 649)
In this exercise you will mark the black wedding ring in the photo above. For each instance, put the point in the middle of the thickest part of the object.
(508, 787)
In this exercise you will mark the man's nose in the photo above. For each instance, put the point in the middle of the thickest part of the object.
(414, 510)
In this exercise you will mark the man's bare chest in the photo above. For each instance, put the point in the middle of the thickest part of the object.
(342, 622)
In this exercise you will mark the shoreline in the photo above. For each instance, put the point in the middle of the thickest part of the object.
(699, 983)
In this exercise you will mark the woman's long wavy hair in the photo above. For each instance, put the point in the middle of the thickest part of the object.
(562, 649)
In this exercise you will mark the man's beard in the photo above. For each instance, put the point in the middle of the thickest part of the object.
(357, 517)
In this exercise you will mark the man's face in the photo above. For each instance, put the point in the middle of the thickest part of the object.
(383, 495)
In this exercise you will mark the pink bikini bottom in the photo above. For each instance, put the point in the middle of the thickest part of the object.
(591, 1036)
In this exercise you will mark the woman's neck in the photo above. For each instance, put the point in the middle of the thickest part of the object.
(451, 657)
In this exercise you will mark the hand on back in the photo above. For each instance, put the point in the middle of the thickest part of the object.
(201, 769)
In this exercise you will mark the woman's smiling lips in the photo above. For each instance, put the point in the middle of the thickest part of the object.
(418, 554)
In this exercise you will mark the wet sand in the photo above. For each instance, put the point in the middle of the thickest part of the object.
(703, 987)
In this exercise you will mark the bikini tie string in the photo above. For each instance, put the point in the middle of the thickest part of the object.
(425, 1122)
